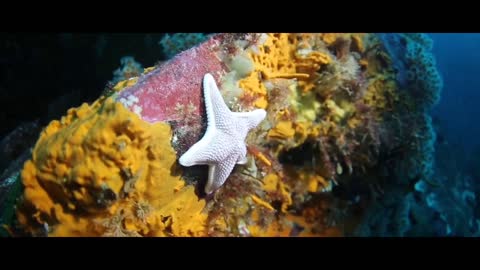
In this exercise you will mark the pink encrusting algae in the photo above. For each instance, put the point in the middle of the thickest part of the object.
(177, 81)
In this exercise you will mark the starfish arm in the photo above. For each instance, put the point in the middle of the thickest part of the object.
(218, 173)
(242, 160)
(252, 118)
(242, 157)
(198, 153)
(214, 103)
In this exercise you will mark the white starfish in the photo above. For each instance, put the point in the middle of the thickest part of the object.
(223, 144)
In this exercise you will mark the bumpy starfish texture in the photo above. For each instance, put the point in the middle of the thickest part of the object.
(223, 144)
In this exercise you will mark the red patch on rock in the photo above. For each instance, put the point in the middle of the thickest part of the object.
(173, 92)
(178, 81)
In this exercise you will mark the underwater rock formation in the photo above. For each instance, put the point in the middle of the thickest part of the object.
(333, 142)
(416, 66)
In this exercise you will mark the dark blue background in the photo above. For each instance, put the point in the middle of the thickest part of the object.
(458, 59)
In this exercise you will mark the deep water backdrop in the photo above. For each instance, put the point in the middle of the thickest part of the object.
(458, 59)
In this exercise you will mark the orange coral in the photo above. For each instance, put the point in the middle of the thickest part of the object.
(283, 130)
(92, 170)
(329, 38)
(279, 57)
(357, 43)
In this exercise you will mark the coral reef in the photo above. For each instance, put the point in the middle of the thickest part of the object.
(408, 155)
(416, 66)
(173, 44)
(444, 206)
(341, 130)
(451, 193)
(129, 68)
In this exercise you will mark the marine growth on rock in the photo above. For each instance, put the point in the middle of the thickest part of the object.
(342, 128)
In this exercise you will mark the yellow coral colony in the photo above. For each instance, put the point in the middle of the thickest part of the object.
(299, 79)
(101, 170)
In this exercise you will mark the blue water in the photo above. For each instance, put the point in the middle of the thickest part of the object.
(458, 59)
